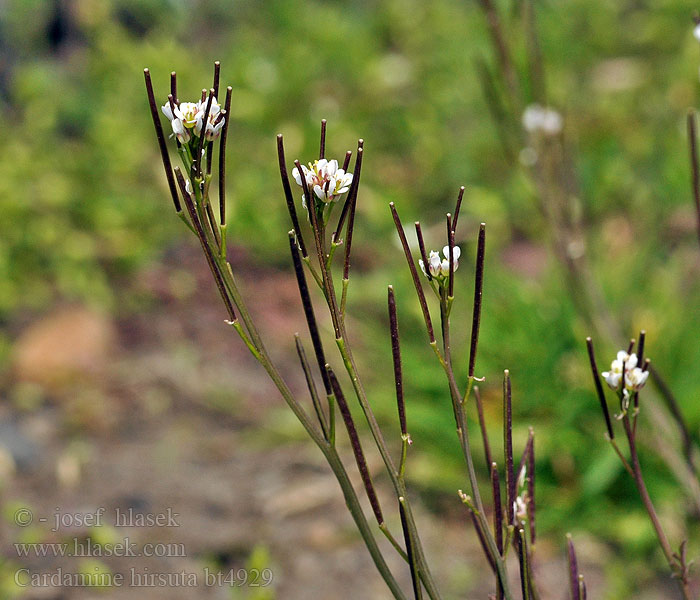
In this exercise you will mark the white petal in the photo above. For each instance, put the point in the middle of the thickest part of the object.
(331, 167)
(167, 111)
(319, 192)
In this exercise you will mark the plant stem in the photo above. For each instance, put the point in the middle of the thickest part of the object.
(651, 511)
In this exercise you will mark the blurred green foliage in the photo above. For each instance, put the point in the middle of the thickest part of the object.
(84, 203)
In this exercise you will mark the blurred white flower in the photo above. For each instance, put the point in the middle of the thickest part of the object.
(634, 377)
(696, 32)
(327, 181)
(539, 119)
(440, 267)
(520, 509)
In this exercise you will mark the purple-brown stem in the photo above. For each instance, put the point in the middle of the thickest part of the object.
(675, 409)
(173, 87)
(414, 273)
(311, 386)
(522, 559)
(165, 157)
(209, 255)
(651, 511)
(289, 197)
(346, 162)
(497, 519)
(478, 292)
(396, 355)
(217, 71)
(457, 209)
(309, 313)
(573, 569)
(599, 387)
(451, 258)
(694, 167)
(423, 253)
(508, 446)
(352, 200)
(410, 555)
(322, 146)
(356, 446)
(531, 513)
(640, 347)
(630, 346)
(482, 427)
(202, 134)
(222, 157)
(482, 540)
(353, 188)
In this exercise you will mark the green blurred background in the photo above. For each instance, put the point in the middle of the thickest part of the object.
(86, 212)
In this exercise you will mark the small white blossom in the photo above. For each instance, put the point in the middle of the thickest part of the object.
(188, 118)
(327, 181)
(539, 119)
(520, 509)
(440, 267)
(215, 120)
(696, 32)
(634, 377)
(522, 476)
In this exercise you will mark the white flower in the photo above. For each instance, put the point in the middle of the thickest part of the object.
(696, 32)
(520, 509)
(521, 477)
(215, 120)
(634, 377)
(440, 267)
(189, 117)
(327, 181)
(539, 119)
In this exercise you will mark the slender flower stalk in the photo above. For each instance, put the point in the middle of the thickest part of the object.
(396, 355)
(478, 294)
(497, 521)
(222, 161)
(457, 209)
(165, 157)
(508, 447)
(694, 166)
(599, 388)
(573, 569)
(414, 273)
(482, 427)
(289, 196)
(356, 446)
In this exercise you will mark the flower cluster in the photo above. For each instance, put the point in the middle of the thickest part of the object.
(634, 377)
(188, 117)
(539, 119)
(327, 181)
(440, 267)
